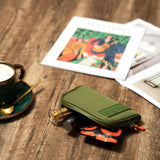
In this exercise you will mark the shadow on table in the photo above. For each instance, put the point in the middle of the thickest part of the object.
(21, 115)
(120, 146)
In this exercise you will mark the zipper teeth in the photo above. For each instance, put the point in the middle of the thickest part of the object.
(83, 110)
(128, 123)
(86, 112)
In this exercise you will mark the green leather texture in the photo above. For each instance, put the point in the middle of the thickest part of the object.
(99, 108)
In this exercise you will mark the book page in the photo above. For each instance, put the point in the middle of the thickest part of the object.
(144, 74)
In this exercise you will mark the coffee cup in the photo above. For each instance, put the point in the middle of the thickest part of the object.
(10, 75)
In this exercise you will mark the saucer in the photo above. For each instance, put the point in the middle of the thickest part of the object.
(24, 103)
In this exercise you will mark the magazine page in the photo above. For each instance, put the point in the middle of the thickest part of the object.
(144, 74)
(95, 47)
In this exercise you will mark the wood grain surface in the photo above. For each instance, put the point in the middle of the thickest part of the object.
(28, 29)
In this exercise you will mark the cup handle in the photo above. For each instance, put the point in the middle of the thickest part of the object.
(22, 71)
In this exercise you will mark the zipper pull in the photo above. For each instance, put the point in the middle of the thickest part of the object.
(136, 128)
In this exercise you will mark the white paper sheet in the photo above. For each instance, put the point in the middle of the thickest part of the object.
(144, 75)
(112, 62)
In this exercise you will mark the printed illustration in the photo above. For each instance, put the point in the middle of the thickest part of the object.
(95, 49)
(150, 85)
(153, 81)
(144, 74)
(148, 51)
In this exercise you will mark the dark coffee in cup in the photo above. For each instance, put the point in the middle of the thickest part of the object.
(8, 80)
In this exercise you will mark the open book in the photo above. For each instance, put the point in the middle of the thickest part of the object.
(144, 75)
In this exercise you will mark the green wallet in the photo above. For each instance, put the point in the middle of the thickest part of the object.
(99, 108)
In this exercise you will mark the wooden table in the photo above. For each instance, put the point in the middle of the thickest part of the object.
(28, 29)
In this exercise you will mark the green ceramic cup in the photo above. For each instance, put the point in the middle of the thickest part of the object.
(9, 76)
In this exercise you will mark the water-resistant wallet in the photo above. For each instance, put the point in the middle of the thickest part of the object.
(99, 108)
